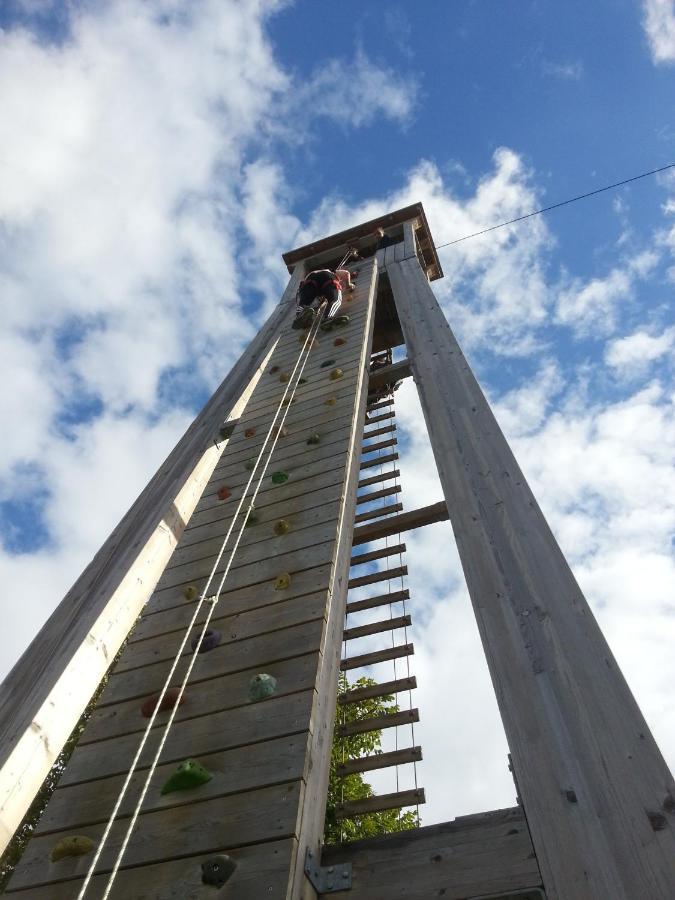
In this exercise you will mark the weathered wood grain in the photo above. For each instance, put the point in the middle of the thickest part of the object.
(375, 479)
(167, 834)
(376, 432)
(259, 651)
(378, 495)
(378, 803)
(382, 445)
(378, 723)
(379, 460)
(588, 769)
(203, 698)
(416, 518)
(486, 855)
(379, 761)
(226, 729)
(260, 868)
(361, 558)
(389, 374)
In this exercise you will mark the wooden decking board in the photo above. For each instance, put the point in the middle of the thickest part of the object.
(258, 652)
(369, 659)
(180, 831)
(242, 626)
(379, 600)
(189, 739)
(383, 689)
(374, 419)
(381, 405)
(380, 802)
(258, 865)
(378, 723)
(377, 577)
(377, 432)
(392, 624)
(382, 445)
(203, 698)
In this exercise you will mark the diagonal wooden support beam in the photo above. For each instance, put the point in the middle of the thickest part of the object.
(390, 374)
(416, 518)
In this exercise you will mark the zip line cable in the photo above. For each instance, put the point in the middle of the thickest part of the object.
(202, 599)
(538, 212)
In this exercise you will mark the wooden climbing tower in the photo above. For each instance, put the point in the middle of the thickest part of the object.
(230, 596)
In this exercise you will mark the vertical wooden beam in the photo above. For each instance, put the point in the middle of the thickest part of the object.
(44, 695)
(598, 796)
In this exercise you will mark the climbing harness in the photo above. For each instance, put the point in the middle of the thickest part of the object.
(281, 411)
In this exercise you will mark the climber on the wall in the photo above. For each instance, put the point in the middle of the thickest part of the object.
(317, 286)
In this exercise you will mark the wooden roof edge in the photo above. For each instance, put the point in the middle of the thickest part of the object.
(350, 235)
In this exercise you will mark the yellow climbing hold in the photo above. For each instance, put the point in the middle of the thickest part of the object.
(284, 377)
(282, 527)
(336, 374)
(282, 582)
(73, 845)
(330, 401)
(190, 592)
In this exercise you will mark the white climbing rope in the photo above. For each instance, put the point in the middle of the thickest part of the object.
(292, 387)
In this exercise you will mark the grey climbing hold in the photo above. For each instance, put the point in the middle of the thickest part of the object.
(217, 870)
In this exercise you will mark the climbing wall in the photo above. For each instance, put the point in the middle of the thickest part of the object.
(264, 742)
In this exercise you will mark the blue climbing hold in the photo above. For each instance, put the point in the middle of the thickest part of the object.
(210, 641)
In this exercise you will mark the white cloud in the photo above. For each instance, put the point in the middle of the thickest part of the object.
(659, 25)
(595, 305)
(632, 355)
(569, 71)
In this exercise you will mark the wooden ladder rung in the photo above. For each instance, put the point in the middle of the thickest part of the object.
(378, 495)
(378, 513)
(378, 723)
(375, 419)
(376, 432)
(379, 600)
(378, 803)
(381, 446)
(369, 659)
(379, 761)
(379, 461)
(375, 479)
(361, 558)
(384, 689)
(377, 627)
(381, 405)
(375, 577)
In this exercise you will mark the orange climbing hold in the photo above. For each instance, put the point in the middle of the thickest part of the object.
(224, 492)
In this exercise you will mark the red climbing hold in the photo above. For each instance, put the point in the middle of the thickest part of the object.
(224, 492)
(274, 370)
(168, 702)
(250, 431)
(338, 342)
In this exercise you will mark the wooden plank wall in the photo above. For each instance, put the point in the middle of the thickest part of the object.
(474, 856)
(598, 796)
(43, 697)
(266, 801)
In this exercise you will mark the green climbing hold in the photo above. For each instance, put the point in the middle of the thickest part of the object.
(261, 687)
(249, 465)
(279, 477)
(282, 527)
(73, 845)
(252, 519)
(341, 320)
(326, 363)
(302, 381)
(314, 438)
(189, 774)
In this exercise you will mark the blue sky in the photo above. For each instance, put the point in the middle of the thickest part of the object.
(158, 158)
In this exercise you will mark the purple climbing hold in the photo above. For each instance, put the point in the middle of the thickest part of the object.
(210, 641)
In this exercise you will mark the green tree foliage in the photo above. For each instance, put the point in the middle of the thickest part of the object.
(354, 787)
